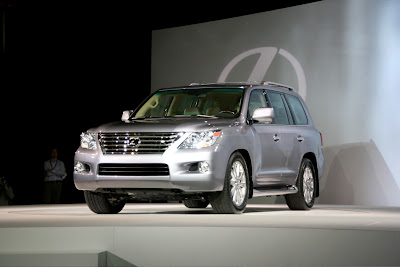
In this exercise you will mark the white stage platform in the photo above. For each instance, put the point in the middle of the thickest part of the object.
(173, 235)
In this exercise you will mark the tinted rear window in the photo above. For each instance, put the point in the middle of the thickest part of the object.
(297, 109)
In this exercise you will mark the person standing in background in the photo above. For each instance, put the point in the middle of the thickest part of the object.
(54, 176)
(6, 192)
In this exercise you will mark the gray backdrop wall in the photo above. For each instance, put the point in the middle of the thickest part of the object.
(343, 56)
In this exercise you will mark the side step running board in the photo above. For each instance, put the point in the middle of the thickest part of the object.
(275, 192)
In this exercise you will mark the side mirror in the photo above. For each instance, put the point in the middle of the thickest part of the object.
(263, 115)
(126, 114)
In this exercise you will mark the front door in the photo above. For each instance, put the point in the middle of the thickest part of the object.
(287, 133)
(270, 157)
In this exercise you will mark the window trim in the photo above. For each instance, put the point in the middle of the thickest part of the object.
(288, 110)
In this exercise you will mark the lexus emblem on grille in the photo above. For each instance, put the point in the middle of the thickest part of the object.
(135, 142)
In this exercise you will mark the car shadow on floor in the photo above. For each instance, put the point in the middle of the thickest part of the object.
(203, 211)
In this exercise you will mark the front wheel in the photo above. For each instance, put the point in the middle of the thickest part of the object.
(305, 197)
(233, 198)
(104, 203)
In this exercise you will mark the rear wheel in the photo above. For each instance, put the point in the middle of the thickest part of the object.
(104, 203)
(233, 198)
(305, 197)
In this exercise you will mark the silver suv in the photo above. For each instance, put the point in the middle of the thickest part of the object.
(204, 143)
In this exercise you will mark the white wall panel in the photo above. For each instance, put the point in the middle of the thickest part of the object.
(349, 53)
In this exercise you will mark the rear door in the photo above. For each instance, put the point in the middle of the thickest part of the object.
(299, 137)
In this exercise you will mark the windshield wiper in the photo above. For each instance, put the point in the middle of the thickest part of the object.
(148, 117)
(194, 115)
(175, 116)
(205, 116)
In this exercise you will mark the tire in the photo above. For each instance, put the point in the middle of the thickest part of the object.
(104, 203)
(233, 198)
(306, 184)
(196, 203)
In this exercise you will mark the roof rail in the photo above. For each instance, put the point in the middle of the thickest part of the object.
(266, 83)
(277, 85)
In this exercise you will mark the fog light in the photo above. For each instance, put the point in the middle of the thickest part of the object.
(81, 167)
(204, 167)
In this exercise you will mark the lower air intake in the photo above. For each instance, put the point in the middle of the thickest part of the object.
(133, 169)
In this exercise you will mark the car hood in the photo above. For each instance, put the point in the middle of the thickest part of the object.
(166, 125)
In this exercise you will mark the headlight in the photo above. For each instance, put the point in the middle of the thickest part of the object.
(88, 140)
(201, 139)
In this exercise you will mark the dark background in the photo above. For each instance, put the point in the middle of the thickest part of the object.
(68, 66)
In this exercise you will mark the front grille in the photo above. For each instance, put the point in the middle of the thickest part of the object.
(136, 143)
(134, 169)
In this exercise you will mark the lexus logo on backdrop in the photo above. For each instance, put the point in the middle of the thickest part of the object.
(267, 54)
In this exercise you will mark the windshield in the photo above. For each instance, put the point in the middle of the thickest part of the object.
(192, 102)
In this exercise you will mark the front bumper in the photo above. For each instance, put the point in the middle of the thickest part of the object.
(181, 163)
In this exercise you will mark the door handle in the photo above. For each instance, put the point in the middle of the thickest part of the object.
(276, 138)
(300, 138)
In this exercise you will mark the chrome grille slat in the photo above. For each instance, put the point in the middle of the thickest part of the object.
(147, 138)
(148, 143)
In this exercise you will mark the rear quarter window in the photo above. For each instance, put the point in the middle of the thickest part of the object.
(297, 109)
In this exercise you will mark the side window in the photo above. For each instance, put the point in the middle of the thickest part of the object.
(257, 100)
(299, 114)
(281, 117)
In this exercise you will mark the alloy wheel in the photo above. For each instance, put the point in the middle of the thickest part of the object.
(308, 185)
(238, 183)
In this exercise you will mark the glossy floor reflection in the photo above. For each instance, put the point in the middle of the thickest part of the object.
(175, 214)
(172, 235)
